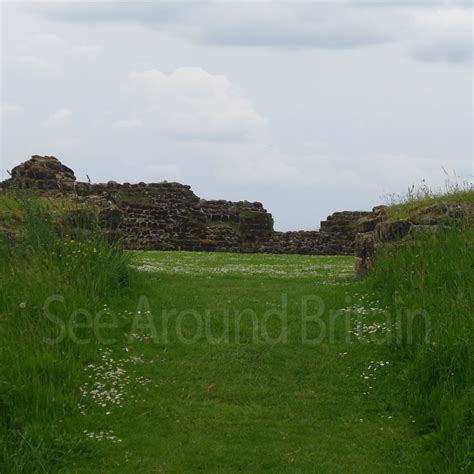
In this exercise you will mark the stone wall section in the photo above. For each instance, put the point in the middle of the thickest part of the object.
(169, 216)
(155, 216)
(378, 230)
(42, 172)
(241, 225)
(335, 237)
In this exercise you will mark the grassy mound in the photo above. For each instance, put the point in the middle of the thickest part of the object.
(407, 205)
(430, 284)
(47, 272)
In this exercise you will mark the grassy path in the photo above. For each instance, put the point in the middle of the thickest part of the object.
(252, 394)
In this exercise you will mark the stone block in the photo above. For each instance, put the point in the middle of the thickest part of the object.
(364, 245)
(389, 231)
(367, 224)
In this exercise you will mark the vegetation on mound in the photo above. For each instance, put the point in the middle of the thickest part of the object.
(39, 380)
(60, 211)
(433, 278)
(416, 198)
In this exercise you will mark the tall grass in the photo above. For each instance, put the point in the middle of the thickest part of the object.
(39, 382)
(402, 206)
(416, 193)
(435, 275)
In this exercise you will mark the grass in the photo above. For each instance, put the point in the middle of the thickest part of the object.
(39, 381)
(436, 278)
(404, 206)
(216, 362)
(236, 397)
(142, 395)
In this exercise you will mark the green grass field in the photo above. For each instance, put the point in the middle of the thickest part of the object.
(185, 362)
(252, 394)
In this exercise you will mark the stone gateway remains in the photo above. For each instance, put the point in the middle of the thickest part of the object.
(169, 216)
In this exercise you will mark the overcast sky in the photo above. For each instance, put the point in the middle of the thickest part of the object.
(307, 107)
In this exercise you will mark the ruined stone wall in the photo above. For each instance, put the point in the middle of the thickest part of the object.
(41, 172)
(335, 237)
(377, 230)
(169, 216)
(158, 216)
(239, 225)
(299, 242)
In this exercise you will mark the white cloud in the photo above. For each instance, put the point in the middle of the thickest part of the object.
(193, 104)
(239, 23)
(267, 165)
(59, 117)
(11, 109)
(443, 34)
(41, 49)
(131, 123)
(318, 25)
(441, 30)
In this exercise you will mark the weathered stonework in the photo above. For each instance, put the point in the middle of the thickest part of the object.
(42, 172)
(243, 225)
(377, 230)
(335, 237)
(169, 216)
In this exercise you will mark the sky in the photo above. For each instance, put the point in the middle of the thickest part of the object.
(307, 107)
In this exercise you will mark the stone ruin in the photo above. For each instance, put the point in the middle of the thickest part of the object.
(378, 230)
(43, 172)
(169, 216)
